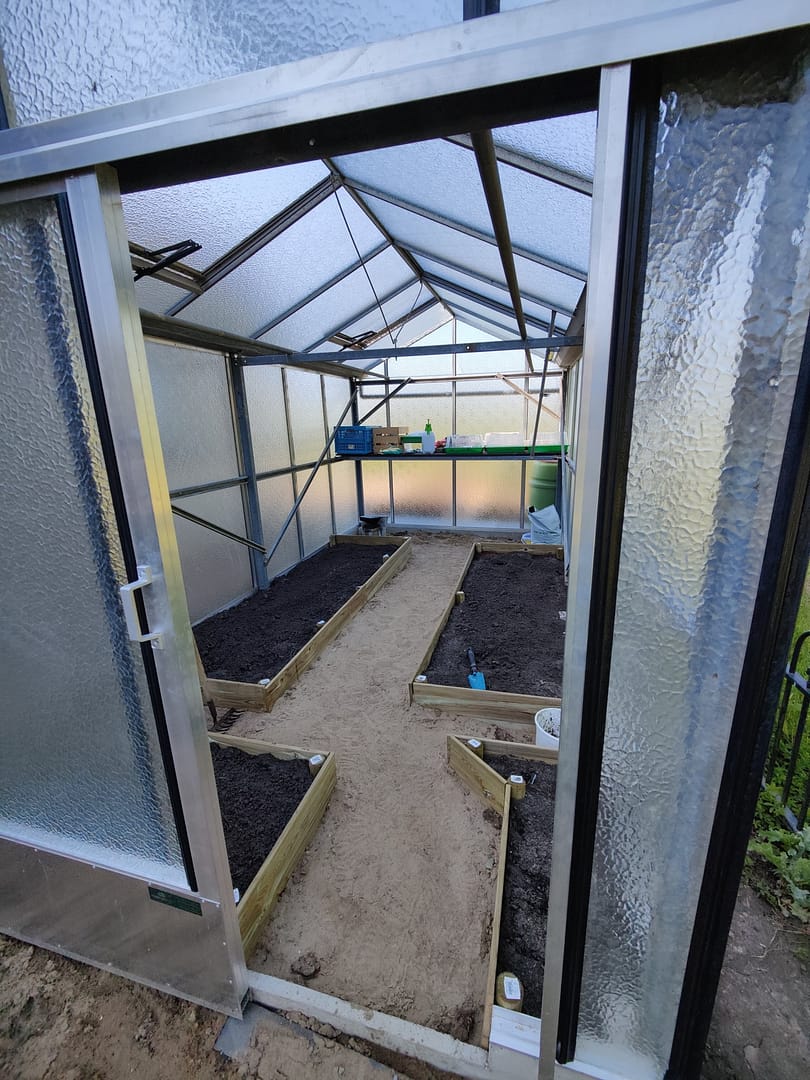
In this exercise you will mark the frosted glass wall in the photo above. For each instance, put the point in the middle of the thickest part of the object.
(726, 303)
(102, 54)
(216, 571)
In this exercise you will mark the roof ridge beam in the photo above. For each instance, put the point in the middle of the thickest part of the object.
(543, 169)
(468, 230)
(261, 237)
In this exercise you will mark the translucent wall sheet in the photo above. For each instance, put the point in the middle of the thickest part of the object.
(316, 513)
(337, 392)
(376, 494)
(276, 499)
(488, 494)
(216, 571)
(157, 296)
(194, 414)
(103, 54)
(423, 492)
(569, 142)
(306, 414)
(81, 769)
(344, 489)
(726, 303)
(268, 424)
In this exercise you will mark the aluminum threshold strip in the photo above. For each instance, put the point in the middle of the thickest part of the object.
(401, 1036)
(469, 64)
(485, 279)
(336, 280)
(543, 169)
(468, 230)
(218, 529)
(494, 305)
(438, 350)
(261, 237)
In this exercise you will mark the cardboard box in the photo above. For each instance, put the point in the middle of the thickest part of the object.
(384, 438)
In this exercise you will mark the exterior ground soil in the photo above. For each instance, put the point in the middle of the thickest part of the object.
(522, 943)
(255, 639)
(510, 618)
(258, 794)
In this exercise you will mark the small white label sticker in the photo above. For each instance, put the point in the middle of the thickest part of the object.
(474, 743)
(511, 989)
(515, 779)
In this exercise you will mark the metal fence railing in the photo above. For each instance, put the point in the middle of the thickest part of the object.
(790, 745)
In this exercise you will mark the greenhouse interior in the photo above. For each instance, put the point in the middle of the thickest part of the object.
(405, 517)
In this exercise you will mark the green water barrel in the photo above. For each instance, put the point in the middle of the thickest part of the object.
(542, 484)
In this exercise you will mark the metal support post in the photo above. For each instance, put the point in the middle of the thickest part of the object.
(247, 467)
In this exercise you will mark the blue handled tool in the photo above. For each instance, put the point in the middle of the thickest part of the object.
(475, 678)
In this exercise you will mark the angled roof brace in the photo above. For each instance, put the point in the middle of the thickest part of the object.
(468, 230)
(260, 237)
(544, 169)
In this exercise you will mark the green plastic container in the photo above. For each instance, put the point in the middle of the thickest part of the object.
(542, 484)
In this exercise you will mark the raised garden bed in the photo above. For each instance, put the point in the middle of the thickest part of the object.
(274, 635)
(520, 904)
(506, 607)
(271, 807)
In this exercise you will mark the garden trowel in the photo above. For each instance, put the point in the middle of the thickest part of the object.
(475, 678)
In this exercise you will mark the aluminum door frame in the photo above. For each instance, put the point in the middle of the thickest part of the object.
(182, 941)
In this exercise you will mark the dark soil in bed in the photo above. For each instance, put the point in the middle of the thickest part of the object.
(255, 639)
(258, 794)
(510, 618)
(522, 947)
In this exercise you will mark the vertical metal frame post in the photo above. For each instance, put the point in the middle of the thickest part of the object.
(246, 464)
(328, 462)
(606, 236)
(291, 446)
(103, 256)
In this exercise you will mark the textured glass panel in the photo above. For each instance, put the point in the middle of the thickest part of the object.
(394, 309)
(501, 324)
(158, 296)
(423, 492)
(306, 414)
(80, 770)
(276, 500)
(414, 412)
(488, 493)
(344, 488)
(194, 414)
(216, 213)
(420, 326)
(286, 271)
(568, 142)
(497, 292)
(337, 392)
(484, 326)
(487, 408)
(216, 571)
(376, 494)
(725, 312)
(442, 177)
(343, 303)
(102, 54)
(268, 426)
(316, 513)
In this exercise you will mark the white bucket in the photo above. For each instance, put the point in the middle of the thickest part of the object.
(541, 736)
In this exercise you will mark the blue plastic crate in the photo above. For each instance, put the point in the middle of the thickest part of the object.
(354, 440)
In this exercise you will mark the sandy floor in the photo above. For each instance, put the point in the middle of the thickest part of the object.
(395, 895)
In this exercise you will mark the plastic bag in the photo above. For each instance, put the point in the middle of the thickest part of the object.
(545, 525)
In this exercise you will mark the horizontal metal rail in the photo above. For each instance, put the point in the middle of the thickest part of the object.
(393, 351)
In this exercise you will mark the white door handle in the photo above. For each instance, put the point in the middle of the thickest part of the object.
(131, 611)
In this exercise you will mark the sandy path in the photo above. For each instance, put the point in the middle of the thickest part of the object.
(395, 894)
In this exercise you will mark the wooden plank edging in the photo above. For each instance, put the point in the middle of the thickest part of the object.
(495, 939)
(480, 778)
(261, 896)
(257, 698)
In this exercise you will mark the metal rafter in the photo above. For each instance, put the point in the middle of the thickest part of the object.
(544, 169)
(419, 253)
(503, 309)
(356, 265)
(491, 182)
(375, 221)
(363, 314)
(468, 230)
(260, 237)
